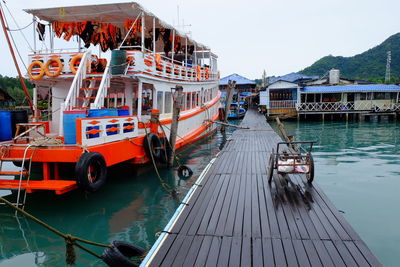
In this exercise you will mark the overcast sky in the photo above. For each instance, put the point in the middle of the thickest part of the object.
(280, 36)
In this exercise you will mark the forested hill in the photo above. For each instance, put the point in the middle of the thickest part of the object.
(14, 88)
(369, 65)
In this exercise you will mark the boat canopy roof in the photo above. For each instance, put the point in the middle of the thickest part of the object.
(116, 14)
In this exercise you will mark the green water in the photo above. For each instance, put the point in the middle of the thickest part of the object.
(131, 207)
(358, 167)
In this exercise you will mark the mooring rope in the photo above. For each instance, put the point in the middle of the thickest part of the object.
(70, 240)
(166, 186)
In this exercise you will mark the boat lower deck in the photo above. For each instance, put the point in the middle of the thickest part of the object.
(234, 217)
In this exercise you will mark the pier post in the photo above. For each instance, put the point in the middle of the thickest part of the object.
(229, 95)
(176, 109)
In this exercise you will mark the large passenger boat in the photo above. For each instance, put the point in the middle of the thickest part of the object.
(106, 105)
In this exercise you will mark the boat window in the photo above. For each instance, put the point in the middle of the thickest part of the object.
(188, 102)
(168, 102)
(147, 101)
(160, 101)
(183, 101)
(194, 104)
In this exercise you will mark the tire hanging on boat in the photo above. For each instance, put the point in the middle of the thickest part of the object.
(120, 254)
(153, 146)
(91, 171)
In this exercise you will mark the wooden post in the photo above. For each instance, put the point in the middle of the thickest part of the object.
(176, 109)
(229, 95)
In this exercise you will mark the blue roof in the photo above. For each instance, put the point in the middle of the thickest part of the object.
(351, 88)
(292, 78)
(237, 78)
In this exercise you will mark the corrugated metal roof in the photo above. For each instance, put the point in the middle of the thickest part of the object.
(292, 77)
(351, 88)
(237, 78)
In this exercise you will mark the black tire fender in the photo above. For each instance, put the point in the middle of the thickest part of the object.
(153, 146)
(87, 160)
(120, 254)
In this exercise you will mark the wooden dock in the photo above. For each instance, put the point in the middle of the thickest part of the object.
(232, 216)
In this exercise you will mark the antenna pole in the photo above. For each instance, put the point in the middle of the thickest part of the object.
(21, 79)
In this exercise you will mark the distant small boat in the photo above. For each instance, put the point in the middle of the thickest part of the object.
(236, 111)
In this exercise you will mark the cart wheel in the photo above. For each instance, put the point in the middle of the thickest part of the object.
(271, 167)
(310, 174)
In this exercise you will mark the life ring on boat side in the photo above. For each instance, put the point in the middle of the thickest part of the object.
(153, 146)
(50, 63)
(91, 171)
(74, 63)
(120, 254)
(35, 64)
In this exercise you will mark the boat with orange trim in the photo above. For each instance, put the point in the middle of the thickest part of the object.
(112, 106)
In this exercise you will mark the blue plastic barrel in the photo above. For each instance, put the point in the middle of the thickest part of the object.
(123, 112)
(69, 124)
(5, 125)
(97, 113)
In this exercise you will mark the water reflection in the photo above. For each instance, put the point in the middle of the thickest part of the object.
(132, 207)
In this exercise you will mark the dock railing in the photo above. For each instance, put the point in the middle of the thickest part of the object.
(347, 106)
(282, 104)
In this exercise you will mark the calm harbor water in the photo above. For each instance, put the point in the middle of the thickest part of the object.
(357, 165)
(132, 207)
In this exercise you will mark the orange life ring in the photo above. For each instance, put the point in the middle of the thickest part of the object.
(73, 62)
(39, 64)
(51, 63)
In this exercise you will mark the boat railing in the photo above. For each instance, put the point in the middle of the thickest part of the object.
(96, 131)
(80, 75)
(162, 66)
(76, 84)
(64, 57)
(347, 106)
(103, 88)
(282, 104)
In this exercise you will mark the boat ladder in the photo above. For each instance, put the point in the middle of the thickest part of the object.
(24, 173)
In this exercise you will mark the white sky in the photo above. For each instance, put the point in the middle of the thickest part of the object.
(280, 36)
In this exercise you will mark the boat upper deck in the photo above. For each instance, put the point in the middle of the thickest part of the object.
(233, 217)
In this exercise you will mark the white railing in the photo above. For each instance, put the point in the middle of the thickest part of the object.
(140, 62)
(71, 100)
(103, 88)
(282, 104)
(347, 106)
(96, 131)
(65, 57)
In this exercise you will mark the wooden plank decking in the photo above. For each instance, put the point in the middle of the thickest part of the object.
(234, 217)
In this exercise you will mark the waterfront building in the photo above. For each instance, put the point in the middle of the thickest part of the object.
(297, 94)
(244, 87)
